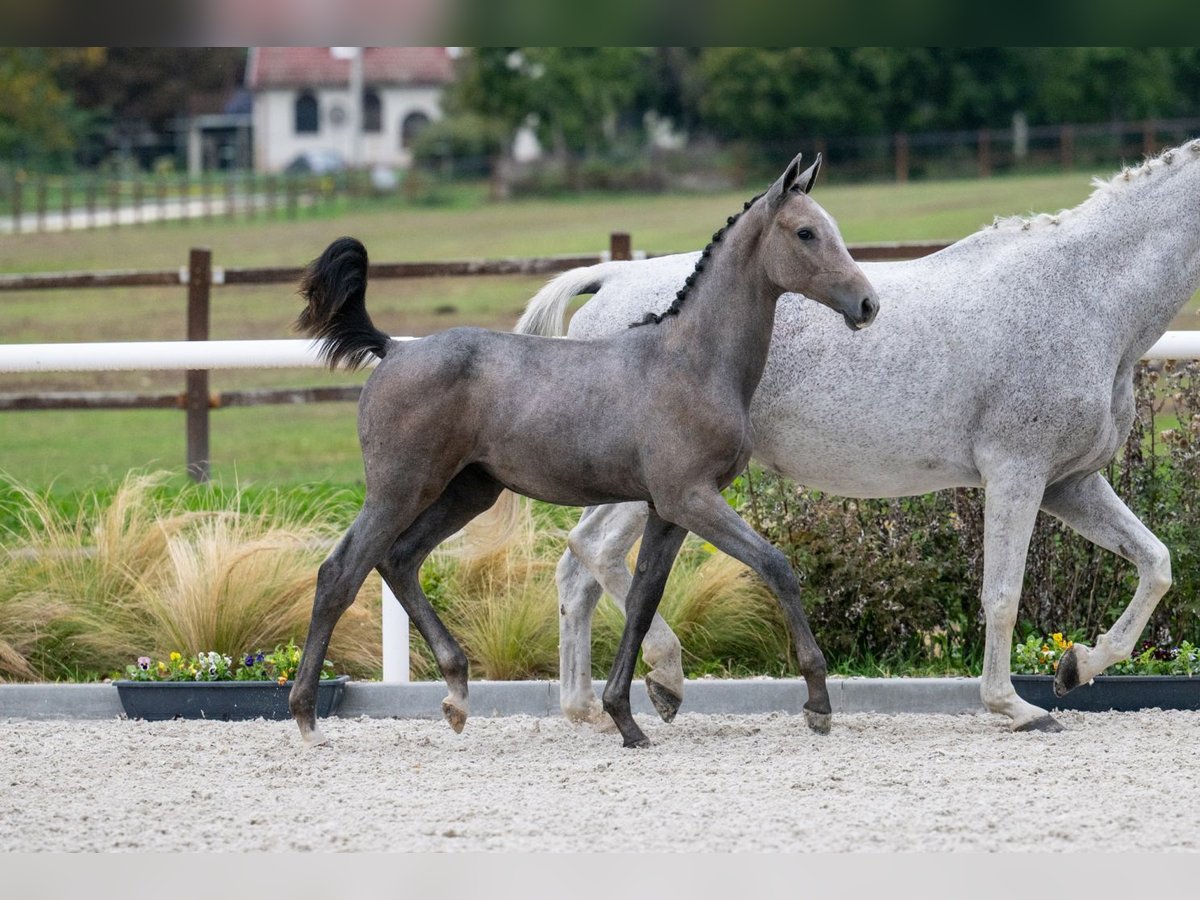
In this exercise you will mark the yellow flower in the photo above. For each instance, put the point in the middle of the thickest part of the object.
(283, 679)
(1057, 637)
(175, 657)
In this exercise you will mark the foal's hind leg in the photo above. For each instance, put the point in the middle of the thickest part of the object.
(470, 493)
(1092, 508)
(338, 581)
(707, 514)
(660, 545)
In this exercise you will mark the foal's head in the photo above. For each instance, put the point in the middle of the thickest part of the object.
(802, 250)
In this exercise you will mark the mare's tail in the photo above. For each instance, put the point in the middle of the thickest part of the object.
(335, 286)
(544, 314)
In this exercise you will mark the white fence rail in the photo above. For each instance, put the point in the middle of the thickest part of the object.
(184, 355)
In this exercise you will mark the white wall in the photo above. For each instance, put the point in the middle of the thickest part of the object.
(276, 142)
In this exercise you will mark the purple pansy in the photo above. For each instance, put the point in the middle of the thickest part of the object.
(144, 663)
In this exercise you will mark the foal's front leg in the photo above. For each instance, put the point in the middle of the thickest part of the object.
(707, 514)
(661, 541)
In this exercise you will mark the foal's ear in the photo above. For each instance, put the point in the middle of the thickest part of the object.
(808, 177)
(779, 190)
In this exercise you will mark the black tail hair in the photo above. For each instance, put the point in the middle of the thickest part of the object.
(335, 286)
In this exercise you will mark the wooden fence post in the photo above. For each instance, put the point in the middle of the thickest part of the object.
(901, 157)
(985, 152)
(620, 245)
(1066, 147)
(199, 290)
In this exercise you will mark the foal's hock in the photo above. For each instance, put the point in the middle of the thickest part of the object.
(658, 413)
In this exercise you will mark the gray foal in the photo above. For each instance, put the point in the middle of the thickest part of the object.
(657, 413)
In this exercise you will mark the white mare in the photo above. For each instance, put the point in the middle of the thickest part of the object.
(1004, 362)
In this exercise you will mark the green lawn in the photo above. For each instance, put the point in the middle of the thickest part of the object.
(290, 445)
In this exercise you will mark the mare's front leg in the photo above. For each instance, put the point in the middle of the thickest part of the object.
(707, 514)
(1093, 509)
(1009, 513)
(661, 541)
(595, 560)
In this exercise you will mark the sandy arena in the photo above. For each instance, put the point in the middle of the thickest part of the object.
(1112, 782)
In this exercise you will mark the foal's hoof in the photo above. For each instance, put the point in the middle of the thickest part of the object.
(666, 702)
(1066, 677)
(818, 721)
(638, 743)
(1046, 723)
(456, 715)
(313, 737)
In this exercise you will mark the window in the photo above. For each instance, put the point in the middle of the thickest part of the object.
(372, 112)
(411, 126)
(306, 113)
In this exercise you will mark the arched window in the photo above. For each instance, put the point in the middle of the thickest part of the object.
(306, 113)
(411, 127)
(372, 111)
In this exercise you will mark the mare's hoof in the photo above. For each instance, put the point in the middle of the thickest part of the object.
(1046, 723)
(1066, 677)
(666, 702)
(455, 715)
(638, 743)
(818, 721)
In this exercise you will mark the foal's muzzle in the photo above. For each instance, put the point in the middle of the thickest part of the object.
(863, 315)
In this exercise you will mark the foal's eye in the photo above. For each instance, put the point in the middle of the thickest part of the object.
(804, 234)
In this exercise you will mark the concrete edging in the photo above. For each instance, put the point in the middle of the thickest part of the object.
(422, 699)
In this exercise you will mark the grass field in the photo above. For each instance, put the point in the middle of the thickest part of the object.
(292, 445)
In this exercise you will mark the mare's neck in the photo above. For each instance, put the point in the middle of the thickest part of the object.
(724, 324)
(1143, 247)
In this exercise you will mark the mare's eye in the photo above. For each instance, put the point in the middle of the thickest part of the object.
(804, 234)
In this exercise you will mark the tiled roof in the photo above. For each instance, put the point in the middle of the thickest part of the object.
(318, 67)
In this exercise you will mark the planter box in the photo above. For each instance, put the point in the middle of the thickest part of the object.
(221, 700)
(1122, 693)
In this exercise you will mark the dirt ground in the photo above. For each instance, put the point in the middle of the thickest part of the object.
(1111, 782)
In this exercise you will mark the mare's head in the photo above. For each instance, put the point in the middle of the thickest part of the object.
(802, 250)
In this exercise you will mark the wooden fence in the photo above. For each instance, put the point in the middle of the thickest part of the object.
(200, 277)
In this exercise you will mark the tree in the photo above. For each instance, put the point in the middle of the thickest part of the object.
(573, 96)
(40, 123)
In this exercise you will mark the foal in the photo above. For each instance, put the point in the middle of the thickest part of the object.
(658, 413)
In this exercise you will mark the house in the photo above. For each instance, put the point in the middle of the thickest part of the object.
(302, 102)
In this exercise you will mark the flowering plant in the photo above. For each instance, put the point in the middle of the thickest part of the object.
(1040, 655)
(279, 665)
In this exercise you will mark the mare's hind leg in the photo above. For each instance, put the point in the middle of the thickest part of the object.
(470, 493)
(338, 581)
(595, 559)
(707, 514)
(1009, 512)
(661, 541)
(1092, 508)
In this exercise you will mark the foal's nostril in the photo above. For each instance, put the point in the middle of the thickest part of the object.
(869, 308)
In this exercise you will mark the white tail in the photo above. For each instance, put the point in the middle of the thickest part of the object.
(545, 313)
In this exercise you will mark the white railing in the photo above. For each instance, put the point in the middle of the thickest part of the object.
(183, 355)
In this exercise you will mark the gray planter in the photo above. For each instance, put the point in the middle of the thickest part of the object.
(1122, 693)
(221, 700)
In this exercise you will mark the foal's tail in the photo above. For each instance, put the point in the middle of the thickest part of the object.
(335, 286)
(544, 314)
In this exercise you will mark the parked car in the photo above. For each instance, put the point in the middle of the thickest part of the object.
(316, 162)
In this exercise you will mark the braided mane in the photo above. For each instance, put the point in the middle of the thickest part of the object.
(681, 295)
